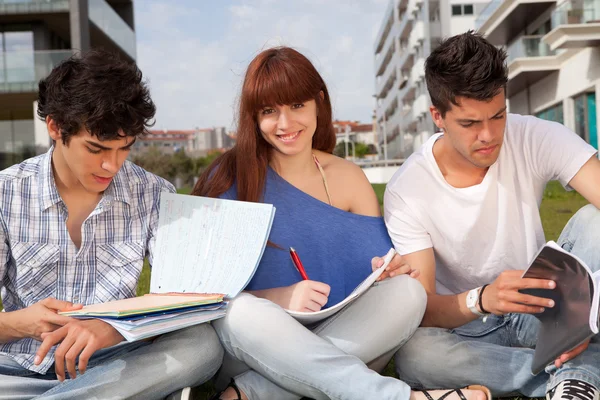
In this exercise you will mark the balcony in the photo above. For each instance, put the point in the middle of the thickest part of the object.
(20, 72)
(529, 60)
(106, 19)
(8, 7)
(501, 21)
(417, 35)
(575, 24)
(387, 81)
(384, 30)
(406, 23)
(389, 47)
(418, 70)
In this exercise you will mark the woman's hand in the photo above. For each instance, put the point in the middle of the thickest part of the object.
(307, 296)
(396, 267)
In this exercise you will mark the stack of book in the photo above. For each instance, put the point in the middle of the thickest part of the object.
(151, 315)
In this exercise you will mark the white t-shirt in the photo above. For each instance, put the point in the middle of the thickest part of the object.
(480, 231)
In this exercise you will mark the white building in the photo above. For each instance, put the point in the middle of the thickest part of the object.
(553, 58)
(195, 142)
(411, 29)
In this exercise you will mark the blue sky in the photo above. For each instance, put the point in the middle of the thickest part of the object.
(194, 52)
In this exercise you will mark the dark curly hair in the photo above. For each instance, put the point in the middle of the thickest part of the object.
(465, 65)
(98, 91)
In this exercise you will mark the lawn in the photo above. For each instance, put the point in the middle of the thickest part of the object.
(557, 207)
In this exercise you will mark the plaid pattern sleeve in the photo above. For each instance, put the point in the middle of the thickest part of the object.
(3, 250)
(38, 259)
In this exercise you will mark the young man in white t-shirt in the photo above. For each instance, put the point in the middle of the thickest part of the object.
(464, 210)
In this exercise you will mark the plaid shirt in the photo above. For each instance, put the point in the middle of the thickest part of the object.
(38, 258)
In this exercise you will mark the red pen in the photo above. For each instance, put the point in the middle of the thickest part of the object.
(298, 263)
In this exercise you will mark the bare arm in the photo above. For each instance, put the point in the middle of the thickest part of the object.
(501, 296)
(587, 181)
(442, 311)
(7, 332)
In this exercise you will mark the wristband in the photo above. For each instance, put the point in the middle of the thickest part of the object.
(483, 310)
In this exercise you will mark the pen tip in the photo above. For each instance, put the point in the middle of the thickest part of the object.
(292, 249)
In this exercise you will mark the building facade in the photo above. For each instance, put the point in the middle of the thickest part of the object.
(194, 142)
(35, 36)
(553, 58)
(411, 29)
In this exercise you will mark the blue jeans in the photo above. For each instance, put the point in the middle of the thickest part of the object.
(272, 356)
(138, 370)
(499, 352)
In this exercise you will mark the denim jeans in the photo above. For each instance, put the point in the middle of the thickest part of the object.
(272, 356)
(499, 352)
(138, 370)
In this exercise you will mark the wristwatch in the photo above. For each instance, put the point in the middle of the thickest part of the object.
(472, 298)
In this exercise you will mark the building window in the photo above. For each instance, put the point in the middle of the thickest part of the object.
(554, 113)
(462, 9)
(585, 118)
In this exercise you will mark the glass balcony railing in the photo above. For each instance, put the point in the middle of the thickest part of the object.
(576, 12)
(21, 71)
(529, 46)
(33, 6)
(487, 12)
(107, 20)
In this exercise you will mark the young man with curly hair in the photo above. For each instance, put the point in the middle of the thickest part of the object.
(75, 226)
(464, 210)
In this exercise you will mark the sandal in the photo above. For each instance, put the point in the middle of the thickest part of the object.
(460, 393)
(231, 384)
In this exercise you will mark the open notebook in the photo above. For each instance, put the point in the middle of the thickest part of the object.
(206, 251)
(312, 317)
(574, 317)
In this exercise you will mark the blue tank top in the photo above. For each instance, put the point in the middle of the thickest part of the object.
(335, 246)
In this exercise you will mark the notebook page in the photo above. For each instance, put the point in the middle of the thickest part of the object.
(595, 311)
(207, 245)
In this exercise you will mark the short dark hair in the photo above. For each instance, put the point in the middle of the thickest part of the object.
(98, 91)
(465, 65)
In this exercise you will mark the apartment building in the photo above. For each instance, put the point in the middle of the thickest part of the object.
(195, 142)
(411, 29)
(36, 35)
(553, 58)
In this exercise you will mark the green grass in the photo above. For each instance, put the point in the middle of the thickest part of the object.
(557, 207)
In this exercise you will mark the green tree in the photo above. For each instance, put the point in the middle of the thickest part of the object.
(157, 163)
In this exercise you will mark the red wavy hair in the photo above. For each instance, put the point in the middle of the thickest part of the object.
(277, 76)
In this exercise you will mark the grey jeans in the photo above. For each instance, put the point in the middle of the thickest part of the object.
(272, 356)
(138, 370)
(499, 352)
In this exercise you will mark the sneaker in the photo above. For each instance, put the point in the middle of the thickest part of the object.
(573, 389)
(182, 394)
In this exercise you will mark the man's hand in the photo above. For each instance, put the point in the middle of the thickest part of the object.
(78, 338)
(41, 317)
(396, 267)
(503, 296)
(569, 355)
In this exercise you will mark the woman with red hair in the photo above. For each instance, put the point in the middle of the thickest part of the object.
(327, 210)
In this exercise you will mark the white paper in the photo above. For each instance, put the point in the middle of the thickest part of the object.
(311, 317)
(133, 332)
(207, 245)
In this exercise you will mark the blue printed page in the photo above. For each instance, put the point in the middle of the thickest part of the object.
(207, 245)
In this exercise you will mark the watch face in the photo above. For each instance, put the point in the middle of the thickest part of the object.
(472, 298)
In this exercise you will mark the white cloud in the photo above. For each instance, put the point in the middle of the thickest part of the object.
(195, 55)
